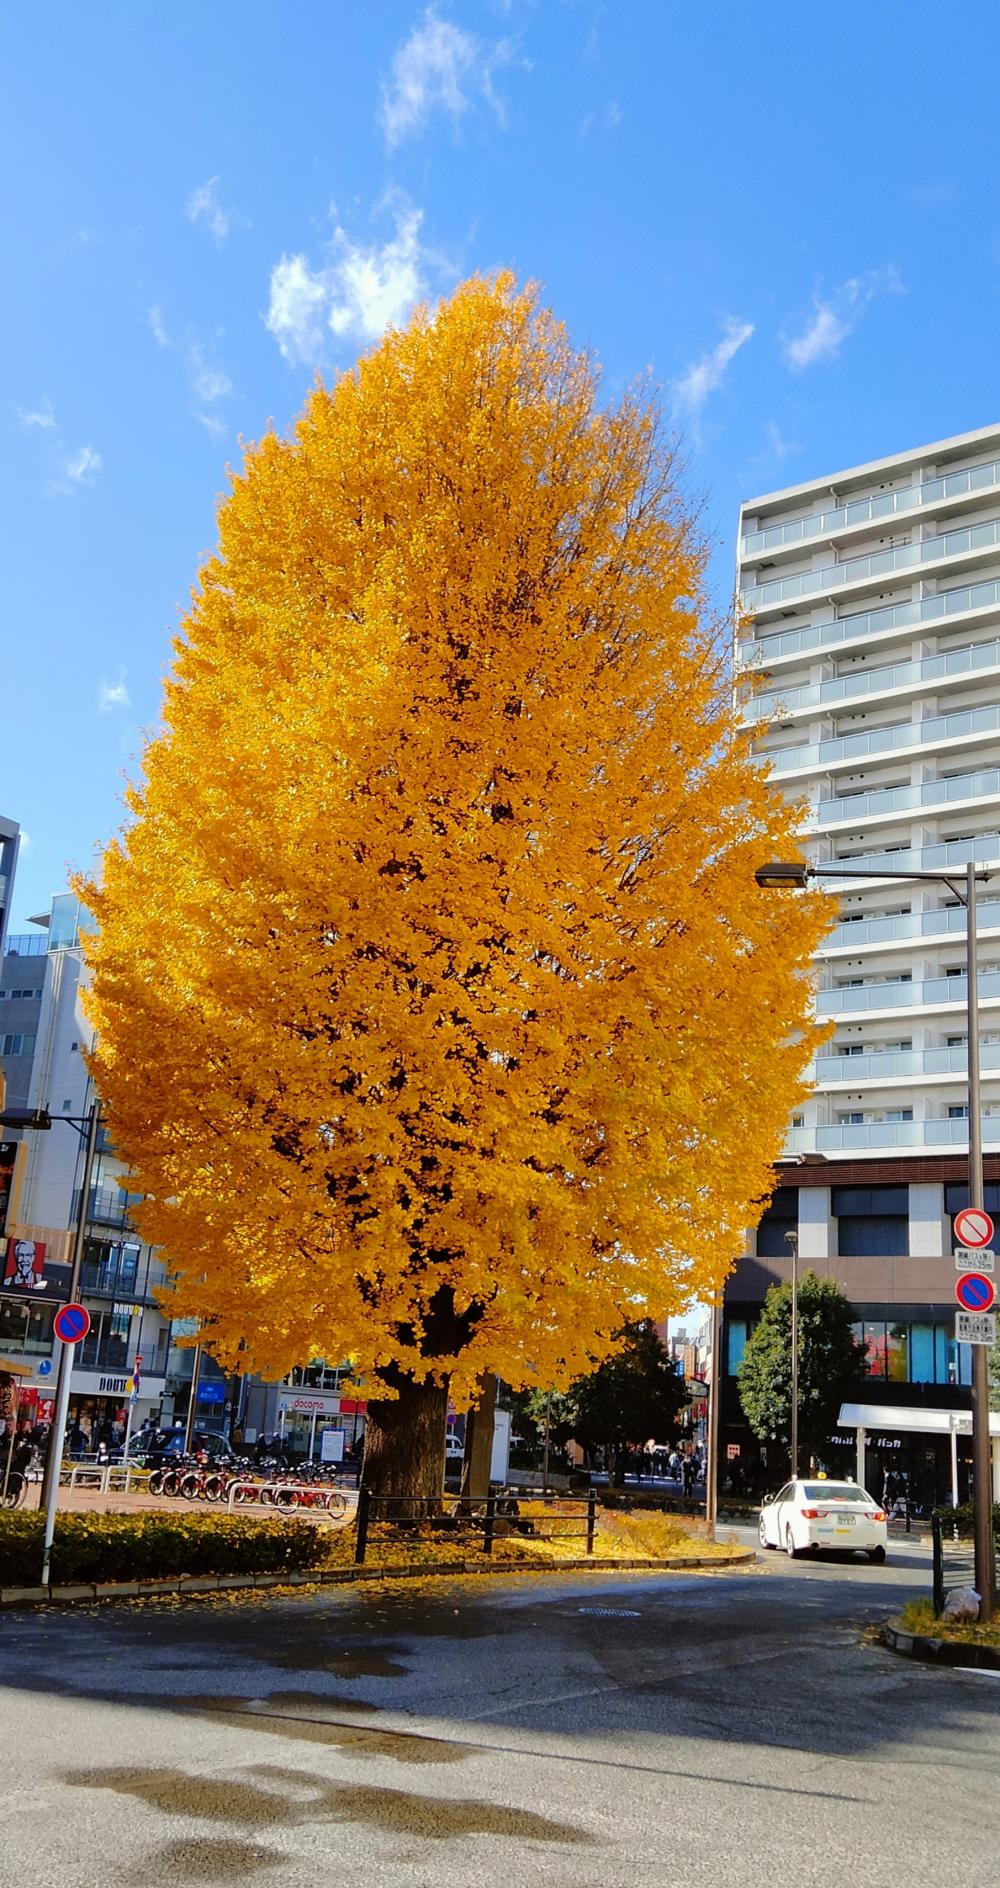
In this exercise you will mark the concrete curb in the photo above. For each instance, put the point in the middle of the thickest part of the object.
(916, 1645)
(198, 1585)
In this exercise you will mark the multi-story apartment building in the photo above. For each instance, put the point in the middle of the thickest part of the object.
(871, 644)
(44, 1035)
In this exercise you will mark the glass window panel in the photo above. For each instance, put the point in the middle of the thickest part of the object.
(921, 1353)
(875, 1346)
(897, 1353)
(736, 1343)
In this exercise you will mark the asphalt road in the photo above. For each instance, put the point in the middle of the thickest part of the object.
(608, 1732)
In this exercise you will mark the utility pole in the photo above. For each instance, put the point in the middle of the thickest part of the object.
(792, 1242)
(982, 1480)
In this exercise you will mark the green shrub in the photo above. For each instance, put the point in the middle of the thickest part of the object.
(104, 1547)
(962, 1517)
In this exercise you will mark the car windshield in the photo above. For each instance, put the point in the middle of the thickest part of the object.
(835, 1491)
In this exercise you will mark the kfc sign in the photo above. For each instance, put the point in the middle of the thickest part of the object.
(26, 1269)
(25, 1265)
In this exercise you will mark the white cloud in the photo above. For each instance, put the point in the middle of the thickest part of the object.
(706, 375)
(113, 695)
(607, 119)
(43, 417)
(358, 292)
(70, 467)
(26, 842)
(780, 447)
(203, 206)
(209, 383)
(83, 465)
(437, 68)
(156, 322)
(835, 316)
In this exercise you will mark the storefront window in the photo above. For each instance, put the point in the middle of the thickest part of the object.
(25, 1329)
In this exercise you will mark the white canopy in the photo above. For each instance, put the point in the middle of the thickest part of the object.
(921, 1422)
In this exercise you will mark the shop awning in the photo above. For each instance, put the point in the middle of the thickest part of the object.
(917, 1422)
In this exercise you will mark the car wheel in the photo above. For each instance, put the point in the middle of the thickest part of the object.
(762, 1532)
(790, 1547)
(877, 1556)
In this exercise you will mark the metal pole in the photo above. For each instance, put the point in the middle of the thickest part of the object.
(192, 1402)
(982, 1479)
(58, 1431)
(712, 1439)
(792, 1241)
(545, 1456)
(53, 1457)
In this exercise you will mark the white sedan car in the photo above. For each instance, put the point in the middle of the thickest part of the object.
(808, 1515)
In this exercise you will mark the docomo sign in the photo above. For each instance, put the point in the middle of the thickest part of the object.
(973, 1227)
(305, 1405)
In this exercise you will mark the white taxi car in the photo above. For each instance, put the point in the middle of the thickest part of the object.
(808, 1515)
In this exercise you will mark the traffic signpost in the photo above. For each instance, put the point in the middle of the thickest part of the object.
(71, 1323)
(974, 1291)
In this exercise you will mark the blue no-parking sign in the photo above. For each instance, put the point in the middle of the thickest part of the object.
(974, 1291)
(71, 1322)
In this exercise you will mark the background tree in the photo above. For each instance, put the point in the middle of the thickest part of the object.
(831, 1365)
(438, 1014)
(632, 1397)
(994, 1375)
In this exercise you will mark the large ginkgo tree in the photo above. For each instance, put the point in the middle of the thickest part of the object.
(441, 1023)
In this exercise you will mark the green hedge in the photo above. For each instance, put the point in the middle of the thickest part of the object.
(962, 1517)
(102, 1547)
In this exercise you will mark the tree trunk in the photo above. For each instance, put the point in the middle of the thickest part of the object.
(479, 1442)
(404, 1446)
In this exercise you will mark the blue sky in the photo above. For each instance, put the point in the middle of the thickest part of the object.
(789, 213)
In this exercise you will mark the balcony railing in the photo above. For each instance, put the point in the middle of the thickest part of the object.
(877, 681)
(874, 741)
(847, 1136)
(972, 537)
(958, 602)
(854, 806)
(869, 510)
(116, 1355)
(887, 1065)
(983, 850)
(931, 994)
(947, 921)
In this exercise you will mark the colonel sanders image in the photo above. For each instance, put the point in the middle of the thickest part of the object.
(25, 1260)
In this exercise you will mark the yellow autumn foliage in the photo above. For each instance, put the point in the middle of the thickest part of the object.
(440, 1020)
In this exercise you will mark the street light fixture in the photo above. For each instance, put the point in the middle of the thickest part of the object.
(962, 887)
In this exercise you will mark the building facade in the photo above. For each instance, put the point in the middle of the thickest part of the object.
(45, 1034)
(870, 649)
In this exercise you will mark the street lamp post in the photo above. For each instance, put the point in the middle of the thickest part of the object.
(789, 873)
(792, 1242)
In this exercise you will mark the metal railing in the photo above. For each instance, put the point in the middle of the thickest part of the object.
(931, 732)
(847, 809)
(973, 537)
(462, 1515)
(954, 1556)
(958, 600)
(876, 681)
(853, 511)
